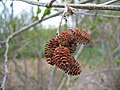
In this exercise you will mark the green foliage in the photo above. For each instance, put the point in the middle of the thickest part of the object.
(38, 10)
(47, 12)
(14, 25)
(102, 80)
(37, 13)
(55, 9)
(71, 1)
(92, 26)
(35, 17)
(117, 62)
(92, 56)
(31, 43)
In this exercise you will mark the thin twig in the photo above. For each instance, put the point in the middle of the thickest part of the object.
(6, 42)
(62, 80)
(29, 26)
(116, 49)
(67, 11)
(100, 71)
(79, 51)
(103, 15)
(78, 6)
(98, 84)
(5, 63)
(52, 73)
(51, 2)
(68, 82)
(63, 17)
(110, 2)
(85, 1)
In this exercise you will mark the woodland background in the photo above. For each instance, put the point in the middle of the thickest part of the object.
(27, 67)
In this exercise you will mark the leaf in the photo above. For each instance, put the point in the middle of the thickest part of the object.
(14, 26)
(100, 20)
(55, 9)
(102, 80)
(47, 12)
(35, 17)
(38, 10)
(71, 1)
(118, 62)
(93, 26)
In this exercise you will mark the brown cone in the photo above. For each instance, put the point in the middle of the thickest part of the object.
(58, 51)
(65, 61)
(66, 39)
(49, 49)
(81, 36)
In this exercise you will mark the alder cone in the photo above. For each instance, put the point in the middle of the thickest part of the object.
(81, 36)
(66, 39)
(58, 50)
(72, 47)
(75, 68)
(70, 38)
(49, 49)
(65, 61)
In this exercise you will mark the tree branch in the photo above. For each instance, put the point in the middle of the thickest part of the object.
(78, 6)
(103, 15)
(110, 2)
(98, 84)
(50, 4)
(5, 63)
(29, 26)
(6, 42)
(62, 80)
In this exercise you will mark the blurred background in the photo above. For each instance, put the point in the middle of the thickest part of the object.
(28, 69)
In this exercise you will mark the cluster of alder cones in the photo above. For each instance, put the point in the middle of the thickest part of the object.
(58, 50)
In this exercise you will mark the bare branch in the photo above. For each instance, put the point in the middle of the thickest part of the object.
(116, 49)
(103, 15)
(98, 84)
(100, 71)
(68, 83)
(85, 1)
(50, 4)
(52, 73)
(29, 26)
(5, 63)
(110, 2)
(6, 42)
(78, 6)
(62, 80)
(79, 51)
(67, 11)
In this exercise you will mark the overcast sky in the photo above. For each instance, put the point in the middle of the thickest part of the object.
(19, 6)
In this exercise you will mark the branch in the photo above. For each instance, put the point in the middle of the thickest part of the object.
(78, 6)
(79, 51)
(62, 80)
(50, 4)
(29, 26)
(103, 15)
(52, 74)
(98, 84)
(110, 2)
(6, 42)
(5, 64)
(101, 71)
(85, 1)
(116, 49)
